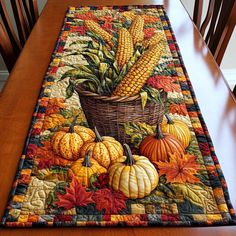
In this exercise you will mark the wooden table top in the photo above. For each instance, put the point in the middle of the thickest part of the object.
(20, 95)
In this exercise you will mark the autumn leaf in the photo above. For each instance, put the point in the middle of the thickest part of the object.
(180, 169)
(179, 109)
(112, 201)
(138, 131)
(75, 196)
(47, 158)
(199, 195)
(164, 82)
(54, 105)
(149, 32)
(52, 121)
(102, 181)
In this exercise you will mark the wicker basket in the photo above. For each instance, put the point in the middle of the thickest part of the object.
(109, 114)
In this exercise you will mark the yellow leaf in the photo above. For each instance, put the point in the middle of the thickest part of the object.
(144, 97)
(199, 195)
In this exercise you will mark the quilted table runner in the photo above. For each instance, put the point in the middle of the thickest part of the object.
(117, 137)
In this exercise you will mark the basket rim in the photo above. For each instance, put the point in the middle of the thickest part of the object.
(96, 96)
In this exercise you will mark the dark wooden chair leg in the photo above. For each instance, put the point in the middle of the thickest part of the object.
(234, 91)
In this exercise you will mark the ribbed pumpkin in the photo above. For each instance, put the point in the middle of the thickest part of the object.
(156, 147)
(85, 167)
(133, 175)
(104, 149)
(68, 142)
(178, 128)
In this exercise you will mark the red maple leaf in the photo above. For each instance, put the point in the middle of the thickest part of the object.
(111, 201)
(47, 158)
(75, 196)
(102, 181)
(149, 32)
(164, 82)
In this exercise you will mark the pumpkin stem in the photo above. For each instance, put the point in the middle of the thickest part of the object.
(98, 136)
(71, 129)
(159, 134)
(169, 120)
(86, 161)
(129, 157)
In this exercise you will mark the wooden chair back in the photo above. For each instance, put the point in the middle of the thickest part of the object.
(220, 21)
(26, 14)
(10, 46)
(7, 51)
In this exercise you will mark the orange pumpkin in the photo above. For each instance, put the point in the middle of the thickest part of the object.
(85, 167)
(157, 147)
(68, 142)
(178, 128)
(104, 149)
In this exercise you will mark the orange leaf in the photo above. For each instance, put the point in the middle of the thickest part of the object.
(164, 82)
(180, 169)
(54, 105)
(179, 109)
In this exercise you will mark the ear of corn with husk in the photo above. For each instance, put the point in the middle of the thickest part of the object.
(125, 48)
(95, 27)
(123, 73)
(140, 72)
(155, 39)
(136, 30)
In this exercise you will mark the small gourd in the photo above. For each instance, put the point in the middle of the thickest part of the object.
(157, 147)
(68, 142)
(178, 128)
(85, 167)
(104, 149)
(133, 175)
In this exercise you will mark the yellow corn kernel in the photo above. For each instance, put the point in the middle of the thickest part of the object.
(155, 39)
(136, 29)
(95, 27)
(125, 48)
(142, 70)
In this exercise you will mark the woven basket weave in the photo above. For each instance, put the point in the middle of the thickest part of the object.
(109, 114)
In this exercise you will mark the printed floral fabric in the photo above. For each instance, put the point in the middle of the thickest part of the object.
(56, 185)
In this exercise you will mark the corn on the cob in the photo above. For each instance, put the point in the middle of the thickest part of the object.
(125, 48)
(153, 40)
(139, 72)
(136, 29)
(95, 27)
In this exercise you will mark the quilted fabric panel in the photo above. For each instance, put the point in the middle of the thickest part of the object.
(59, 183)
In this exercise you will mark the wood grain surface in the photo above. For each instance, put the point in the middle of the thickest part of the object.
(20, 94)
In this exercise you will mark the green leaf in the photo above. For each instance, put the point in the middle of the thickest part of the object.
(91, 87)
(144, 98)
(66, 113)
(90, 57)
(115, 66)
(83, 68)
(95, 44)
(138, 131)
(145, 128)
(81, 81)
(76, 74)
(71, 54)
(199, 195)
(95, 36)
(103, 67)
(136, 139)
(70, 90)
(93, 51)
(107, 53)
